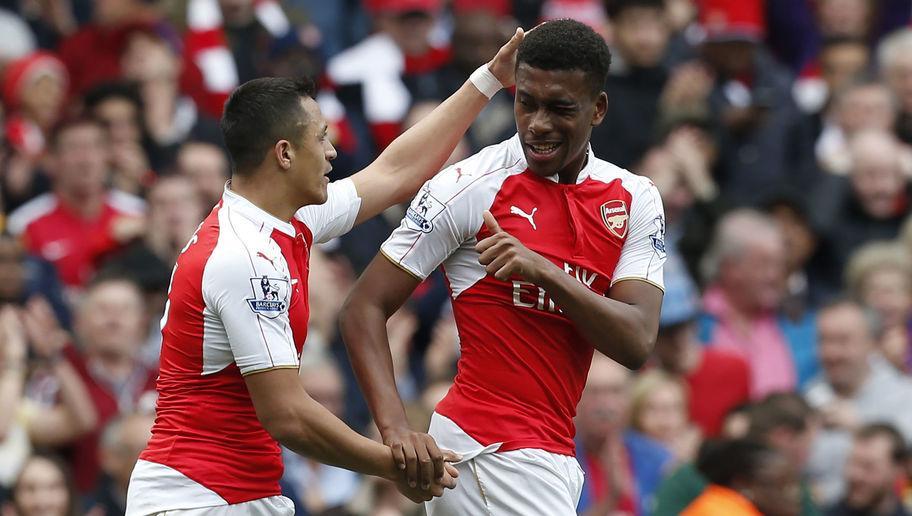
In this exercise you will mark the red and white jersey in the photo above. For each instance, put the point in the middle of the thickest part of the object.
(523, 363)
(237, 305)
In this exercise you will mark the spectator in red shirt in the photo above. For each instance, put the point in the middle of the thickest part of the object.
(81, 220)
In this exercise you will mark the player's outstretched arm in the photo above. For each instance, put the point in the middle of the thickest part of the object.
(379, 293)
(623, 326)
(304, 426)
(419, 153)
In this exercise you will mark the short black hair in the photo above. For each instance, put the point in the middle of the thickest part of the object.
(567, 45)
(258, 114)
(125, 90)
(615, 8)
(730, 461)
(898, 448)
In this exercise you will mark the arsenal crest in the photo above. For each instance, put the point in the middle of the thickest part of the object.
(614, 215)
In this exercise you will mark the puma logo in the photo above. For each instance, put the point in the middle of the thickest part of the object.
(528, 216)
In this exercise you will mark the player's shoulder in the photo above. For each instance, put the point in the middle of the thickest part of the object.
(608, 172)
(489, 166)
(243, 249)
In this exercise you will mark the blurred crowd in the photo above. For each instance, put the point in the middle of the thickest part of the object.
(778, 133)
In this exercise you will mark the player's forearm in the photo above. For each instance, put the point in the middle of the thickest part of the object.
(313, 431)
(421, 151)
(363, 325)
(616, 329)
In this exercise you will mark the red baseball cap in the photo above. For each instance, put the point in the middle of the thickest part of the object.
(733, 20)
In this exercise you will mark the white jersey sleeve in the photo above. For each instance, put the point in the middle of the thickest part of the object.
(250, 300)
(336, 216)
(447, 212)
(643, 253)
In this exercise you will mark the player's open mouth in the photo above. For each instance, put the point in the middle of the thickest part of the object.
(543, 151)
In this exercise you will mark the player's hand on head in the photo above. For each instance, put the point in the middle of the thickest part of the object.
(417, 456)
(503, 255)
(503, 65)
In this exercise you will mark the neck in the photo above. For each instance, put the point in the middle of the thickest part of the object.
(265, 195)
(86, 205)
(570, 173)
(116, 366)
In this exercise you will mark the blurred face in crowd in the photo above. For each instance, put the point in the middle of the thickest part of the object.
(41, 490)
(111, 319)
(844, 342)
(81, 160)
(119, 454)
(794, 444)
(112, 12)
(149, 58)
(729, 59)
(555, 111)
(672, 344)
(324, 384)
(775, 490)
(889, 292)
(871, 473)
(865, 107)
(207, 166)
(755, 277)
(839, 63)
(174, 209)
(663, 413)
(800, 241)
(844, 17)
(898, 74)
(605, 404)
(121, 116)
(476, 37)
(410, 30)
(641, 35)
(43, 99)
(876, 176)
(659, 165)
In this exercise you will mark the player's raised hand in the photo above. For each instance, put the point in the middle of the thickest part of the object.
(418, 457)
(503, 255)
(503, 66)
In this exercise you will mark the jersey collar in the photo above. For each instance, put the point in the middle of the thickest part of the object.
(253, 212)
(516, 147)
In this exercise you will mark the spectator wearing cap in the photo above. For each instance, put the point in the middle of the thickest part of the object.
(34, 89)
(745, 268)
(623, 467)
(869, 204)
(857, 386)
(638, 75)
(81, 220)
(717, 380)
(764, 139)
(875, 467)
(784, 422)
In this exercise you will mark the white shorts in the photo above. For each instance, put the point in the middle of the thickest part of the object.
(272, 506)
(519, 482)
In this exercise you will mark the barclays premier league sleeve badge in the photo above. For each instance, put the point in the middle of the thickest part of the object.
(423, 210)
(271, 296)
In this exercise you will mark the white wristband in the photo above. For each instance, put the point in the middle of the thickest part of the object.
(485, 81)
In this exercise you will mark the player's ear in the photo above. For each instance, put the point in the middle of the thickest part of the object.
(601, 107)
(284, 154)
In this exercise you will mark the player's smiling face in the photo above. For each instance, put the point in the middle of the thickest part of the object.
(313, 153)
(555, 112)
